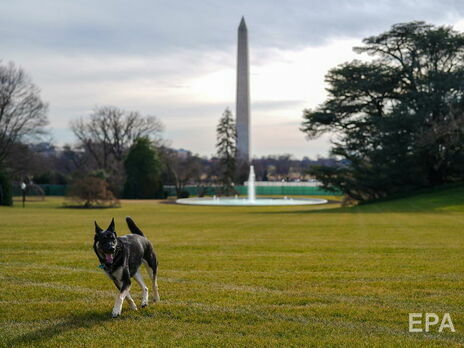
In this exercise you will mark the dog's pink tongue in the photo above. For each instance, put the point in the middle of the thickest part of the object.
(109, 258)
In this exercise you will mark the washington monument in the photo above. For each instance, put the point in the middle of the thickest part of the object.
(242, 111)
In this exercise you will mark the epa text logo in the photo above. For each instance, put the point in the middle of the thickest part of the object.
(418, 322)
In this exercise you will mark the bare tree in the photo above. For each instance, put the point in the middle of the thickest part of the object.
(183, 168)
(22, 111)
(110, 131)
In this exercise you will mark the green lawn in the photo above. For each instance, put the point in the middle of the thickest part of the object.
(291, 276)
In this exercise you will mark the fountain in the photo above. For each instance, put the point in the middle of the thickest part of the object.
(251, 199)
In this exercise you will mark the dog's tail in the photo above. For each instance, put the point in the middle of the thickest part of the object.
(133, 227)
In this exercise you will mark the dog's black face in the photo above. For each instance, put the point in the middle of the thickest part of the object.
(106, 243)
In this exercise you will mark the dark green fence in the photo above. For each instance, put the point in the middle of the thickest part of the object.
(49, 190)
(54, 190)
(60, 190)
(260, 190)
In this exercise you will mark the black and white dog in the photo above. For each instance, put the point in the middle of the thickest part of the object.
(121, 258)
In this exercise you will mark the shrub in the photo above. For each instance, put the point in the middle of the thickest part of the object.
(92, 192)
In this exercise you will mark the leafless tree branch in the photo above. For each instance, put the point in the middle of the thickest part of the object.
(110, 131)
(22, 112)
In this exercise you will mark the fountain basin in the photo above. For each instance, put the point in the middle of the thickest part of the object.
(250, 200)
(231, 201)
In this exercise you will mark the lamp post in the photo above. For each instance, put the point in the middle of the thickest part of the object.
(23, 191)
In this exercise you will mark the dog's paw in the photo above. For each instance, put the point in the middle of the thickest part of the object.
(115, 314)
(144, 301)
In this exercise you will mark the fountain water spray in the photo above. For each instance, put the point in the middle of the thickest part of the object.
(251, 185)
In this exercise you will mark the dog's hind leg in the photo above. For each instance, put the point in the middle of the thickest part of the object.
(156, 296)
(139, 279)
(152, 267)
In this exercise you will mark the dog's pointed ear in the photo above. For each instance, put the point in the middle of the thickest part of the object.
(111, 226)
(98, 229)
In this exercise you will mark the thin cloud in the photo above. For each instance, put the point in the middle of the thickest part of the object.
(146, 26)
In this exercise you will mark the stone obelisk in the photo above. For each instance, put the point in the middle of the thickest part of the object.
(242, 111)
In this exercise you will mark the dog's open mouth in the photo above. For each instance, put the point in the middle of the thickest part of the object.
(109, 258)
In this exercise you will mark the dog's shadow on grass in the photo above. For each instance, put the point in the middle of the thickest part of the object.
(77, 321)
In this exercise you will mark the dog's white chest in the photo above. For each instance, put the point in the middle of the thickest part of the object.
(117, 274)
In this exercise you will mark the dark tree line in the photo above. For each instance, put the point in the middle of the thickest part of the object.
(399, 118)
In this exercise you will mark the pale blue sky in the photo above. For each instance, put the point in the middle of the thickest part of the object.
(176, 59)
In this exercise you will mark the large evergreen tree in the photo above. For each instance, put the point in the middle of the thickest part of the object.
(226, 150)
(398, 119)
(143, 171)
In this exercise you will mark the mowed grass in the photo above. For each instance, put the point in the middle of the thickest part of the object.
(230, 277)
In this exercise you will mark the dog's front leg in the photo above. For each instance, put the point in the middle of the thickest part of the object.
(131, 301)
(129, 298)
(124, 291)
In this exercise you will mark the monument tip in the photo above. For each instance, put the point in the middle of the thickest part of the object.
(242, 23)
